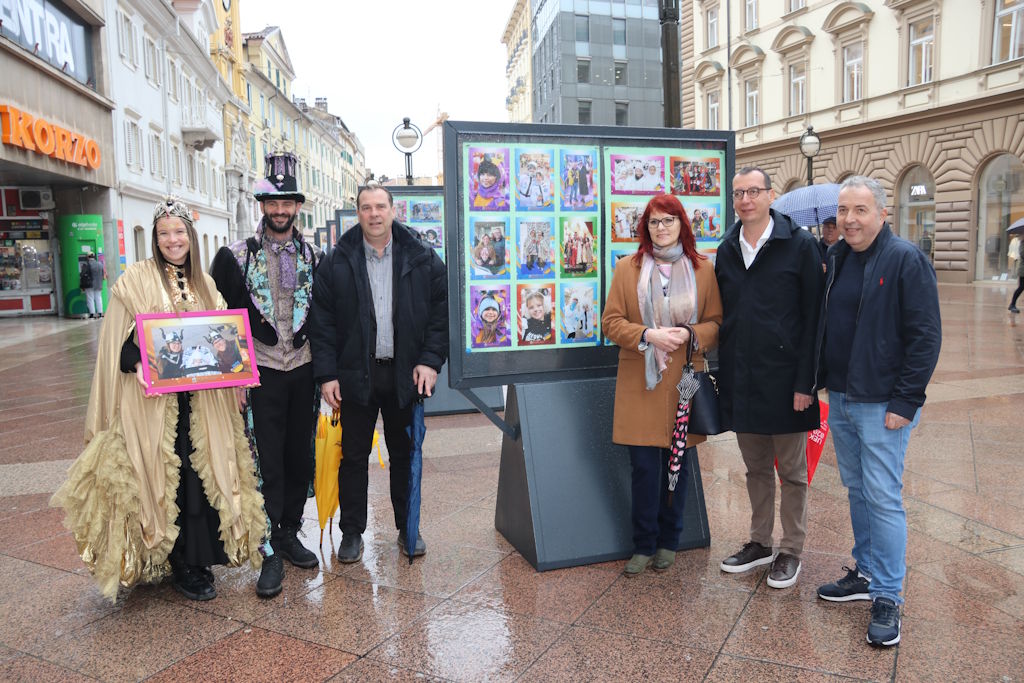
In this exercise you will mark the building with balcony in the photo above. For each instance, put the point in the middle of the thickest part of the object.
(330, 156)
(924, 95)
(168, 121)
(519, 69)
(597, 62)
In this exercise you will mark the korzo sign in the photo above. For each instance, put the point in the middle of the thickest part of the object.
(42, 137)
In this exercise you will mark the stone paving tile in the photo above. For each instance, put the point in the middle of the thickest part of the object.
(31, 527)
(728, 669)
(245, 654)
(143, 638)
(586, 654)
(468, 643)
(354, 616)
(560, 595)
(370, 671)
(948, 651)
(470, 526)
(18, 505)
(828, 638)
(978, 579)
(34, 670)
(59, 552)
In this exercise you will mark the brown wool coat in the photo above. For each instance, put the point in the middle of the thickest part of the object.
(646, 418)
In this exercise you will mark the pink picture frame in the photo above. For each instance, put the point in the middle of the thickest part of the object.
(196, 350)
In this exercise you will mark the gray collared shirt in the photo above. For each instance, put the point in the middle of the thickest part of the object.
(379, 271)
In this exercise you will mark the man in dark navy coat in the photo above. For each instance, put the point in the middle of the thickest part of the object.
(770, 276)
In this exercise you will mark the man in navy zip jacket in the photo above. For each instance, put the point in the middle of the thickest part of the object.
(878, 341)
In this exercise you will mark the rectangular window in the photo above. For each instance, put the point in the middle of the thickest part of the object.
(751, 15)
(176, 164)
(1008, 42)
(156, 154)
(712, 27)
(620, 73)
(618, 31)
(712, 122)
(853, 72)
(583, 71)
(127, 39)
(248, 94)
(584, 111)
(190, 170)
(582, 28)
(752, 88)
(797, 89)
(172, 80)
(794, 5)
(151, 57)
(922, 45)
(133, 145)
(622, 113)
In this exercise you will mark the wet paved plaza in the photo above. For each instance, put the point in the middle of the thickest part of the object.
(472, 609)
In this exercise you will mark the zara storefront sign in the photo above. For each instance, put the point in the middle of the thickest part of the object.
(48, 30)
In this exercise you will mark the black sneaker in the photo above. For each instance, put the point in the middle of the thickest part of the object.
(271, 575)
(884, 629)
(853, 586)
(290, 548)
(1013, 309)
(191, 583)
(351, 550)
(750, 555)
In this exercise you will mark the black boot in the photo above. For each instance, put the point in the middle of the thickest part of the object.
(287, 544)
(351, 549)
(193, 584)
(271, 576)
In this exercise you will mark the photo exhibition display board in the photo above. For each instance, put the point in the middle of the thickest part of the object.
(537, 218)
(421, 208)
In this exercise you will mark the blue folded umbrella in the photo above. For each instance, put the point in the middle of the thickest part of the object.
(810, 205)
(417, 430)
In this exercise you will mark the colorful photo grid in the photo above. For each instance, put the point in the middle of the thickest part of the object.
(424, 214)
(532, 246)
(634, 175)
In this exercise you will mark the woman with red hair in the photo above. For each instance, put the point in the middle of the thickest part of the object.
(662, 300)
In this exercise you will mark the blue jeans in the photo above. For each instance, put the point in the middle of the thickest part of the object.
(656, 524)
(870, 459)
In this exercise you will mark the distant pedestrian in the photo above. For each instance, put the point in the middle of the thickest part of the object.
(878, 341)
(829, 236)
(1016, 256)
(92, 285)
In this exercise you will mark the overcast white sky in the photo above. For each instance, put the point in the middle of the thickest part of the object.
(377, 61)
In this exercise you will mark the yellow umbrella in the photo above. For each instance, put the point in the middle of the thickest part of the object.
(328, 460)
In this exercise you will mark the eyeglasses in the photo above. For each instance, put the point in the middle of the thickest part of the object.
(751, 192)
(667, 221)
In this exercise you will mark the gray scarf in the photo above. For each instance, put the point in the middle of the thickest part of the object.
(668, 306)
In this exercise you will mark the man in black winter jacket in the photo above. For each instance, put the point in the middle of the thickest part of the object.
(878, 342)
(769, 273)
(379, 338)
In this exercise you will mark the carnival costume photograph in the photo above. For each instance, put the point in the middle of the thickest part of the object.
(167, 485)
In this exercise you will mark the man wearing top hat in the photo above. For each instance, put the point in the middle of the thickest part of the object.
(271, 274)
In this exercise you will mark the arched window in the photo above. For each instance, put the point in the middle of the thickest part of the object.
(916, 203)
(1000, 202)
(206, 252)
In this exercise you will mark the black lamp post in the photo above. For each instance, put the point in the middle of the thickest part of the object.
(810, 145)
(668, 11)
(407, 138)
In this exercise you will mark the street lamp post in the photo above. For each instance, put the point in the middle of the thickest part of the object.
(810, 145)
(668, 11)
(407, 138)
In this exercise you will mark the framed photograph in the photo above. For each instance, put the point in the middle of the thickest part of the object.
(196, 351)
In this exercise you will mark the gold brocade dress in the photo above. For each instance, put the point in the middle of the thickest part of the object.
(121, 495)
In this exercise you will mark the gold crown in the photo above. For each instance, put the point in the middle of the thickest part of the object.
(174, 208)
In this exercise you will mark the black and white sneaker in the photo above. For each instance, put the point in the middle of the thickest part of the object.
(751, 555)
(853, 586)
(884, 629)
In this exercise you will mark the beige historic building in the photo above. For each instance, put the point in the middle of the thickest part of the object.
(925, 95)
(519, 69)
(331, 158)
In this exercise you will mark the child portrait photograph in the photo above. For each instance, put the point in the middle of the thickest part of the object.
(488, 179)
(488, 248)
(535, 310)
(578, 246)
(701, 177)
(578, 187)
(535, 248)
(489, 317)
(533, 180)
(637, 174)
(625, 218)
(579, 312)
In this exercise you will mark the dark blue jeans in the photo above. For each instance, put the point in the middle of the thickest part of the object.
(655, 524)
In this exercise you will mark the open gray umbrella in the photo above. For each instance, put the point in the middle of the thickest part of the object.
(810, 205)
(1016, 227)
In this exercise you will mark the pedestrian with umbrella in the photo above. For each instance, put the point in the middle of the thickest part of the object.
(1016, 256)
(663, 301)
(380, 336)
(809, 205)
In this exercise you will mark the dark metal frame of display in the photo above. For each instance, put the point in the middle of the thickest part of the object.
(468, 146)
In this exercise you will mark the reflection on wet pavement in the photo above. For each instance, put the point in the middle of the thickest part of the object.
(472, 609)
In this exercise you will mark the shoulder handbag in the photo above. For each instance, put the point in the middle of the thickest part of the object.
(705, 416)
